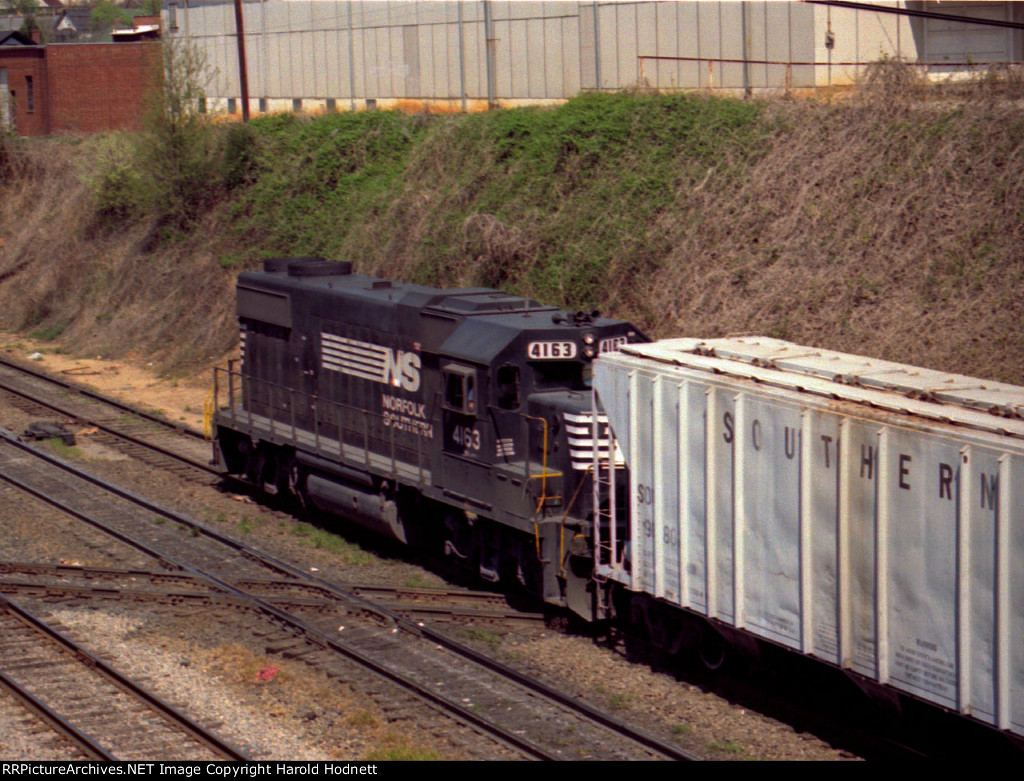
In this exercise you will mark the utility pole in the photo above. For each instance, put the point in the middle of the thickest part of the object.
(243, 74)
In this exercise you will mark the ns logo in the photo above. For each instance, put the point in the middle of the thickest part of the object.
(402, 369)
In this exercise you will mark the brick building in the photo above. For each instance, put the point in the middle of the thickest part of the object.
(74, 87)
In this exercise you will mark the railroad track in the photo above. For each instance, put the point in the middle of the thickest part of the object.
(538, 721)
(122, 427)
(89, 703)
(109, 582)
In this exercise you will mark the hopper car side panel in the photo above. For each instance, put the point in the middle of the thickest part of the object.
(843, 523)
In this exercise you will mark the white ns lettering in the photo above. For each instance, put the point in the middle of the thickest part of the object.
(402, 370)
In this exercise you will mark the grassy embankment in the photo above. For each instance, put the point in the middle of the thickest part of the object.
(889, 224)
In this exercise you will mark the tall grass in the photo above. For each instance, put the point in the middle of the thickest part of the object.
(888, 225)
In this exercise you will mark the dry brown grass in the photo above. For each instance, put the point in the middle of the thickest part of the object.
(347, 720)
(890, 224)
(896, 233)
(63, 274)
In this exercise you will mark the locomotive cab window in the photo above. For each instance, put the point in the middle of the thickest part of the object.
(460, 389)
(508, 387)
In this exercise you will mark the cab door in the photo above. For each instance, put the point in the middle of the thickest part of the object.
(468, 440)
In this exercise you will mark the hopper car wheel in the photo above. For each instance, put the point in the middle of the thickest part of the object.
(712, 648)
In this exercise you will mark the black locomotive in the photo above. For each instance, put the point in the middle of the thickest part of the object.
(457, 419)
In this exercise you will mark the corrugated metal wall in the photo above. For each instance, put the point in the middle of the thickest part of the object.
(390, 51)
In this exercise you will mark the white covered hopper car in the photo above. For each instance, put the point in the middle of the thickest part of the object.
(865, 513)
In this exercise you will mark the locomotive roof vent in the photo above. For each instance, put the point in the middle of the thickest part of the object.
(318, 267)
(277, 265)
(575, 318)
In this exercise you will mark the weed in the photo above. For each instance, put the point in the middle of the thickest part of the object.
(50, 332)
(482, 636)
(361, 719)
(332, 543)
(404, 754)
(61, 450)
(247, 525)
(417, 580)
(619, 701)
(730, 747)
(681, 730)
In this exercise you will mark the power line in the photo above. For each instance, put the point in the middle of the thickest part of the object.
(888, 9)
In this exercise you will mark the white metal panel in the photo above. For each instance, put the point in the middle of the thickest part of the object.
(921, 604)
(516, 58)
(504, 60)
(555, 69)
(643, 485)
(665, 497)
(882, 533)
(688, 44)
(385, 62)
(433, 75)
(1009, 605)
(730, 44)
(476, 73)
(960, 42)
(769, 505)
(533, 59)
(691, 480)
(709, 42)
(607, 42)
(572, 53)
(626, 35)
(819, 527)
(646, 40)
(719, 472)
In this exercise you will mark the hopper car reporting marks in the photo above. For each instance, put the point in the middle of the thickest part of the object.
(456, 419)
(861, 512)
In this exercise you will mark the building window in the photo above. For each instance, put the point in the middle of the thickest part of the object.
(296, 105)
(232, 106)
(263, 105)
(332, 105)
(30, 97)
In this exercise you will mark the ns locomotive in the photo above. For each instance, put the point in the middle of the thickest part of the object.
(455, 419)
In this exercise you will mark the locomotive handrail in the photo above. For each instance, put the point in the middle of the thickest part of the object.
(245, 391)
(543, 478)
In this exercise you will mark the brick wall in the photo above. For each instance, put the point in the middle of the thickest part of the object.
(100, 86)
(23, 63)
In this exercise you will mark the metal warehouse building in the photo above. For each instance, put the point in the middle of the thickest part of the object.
(468, 54)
